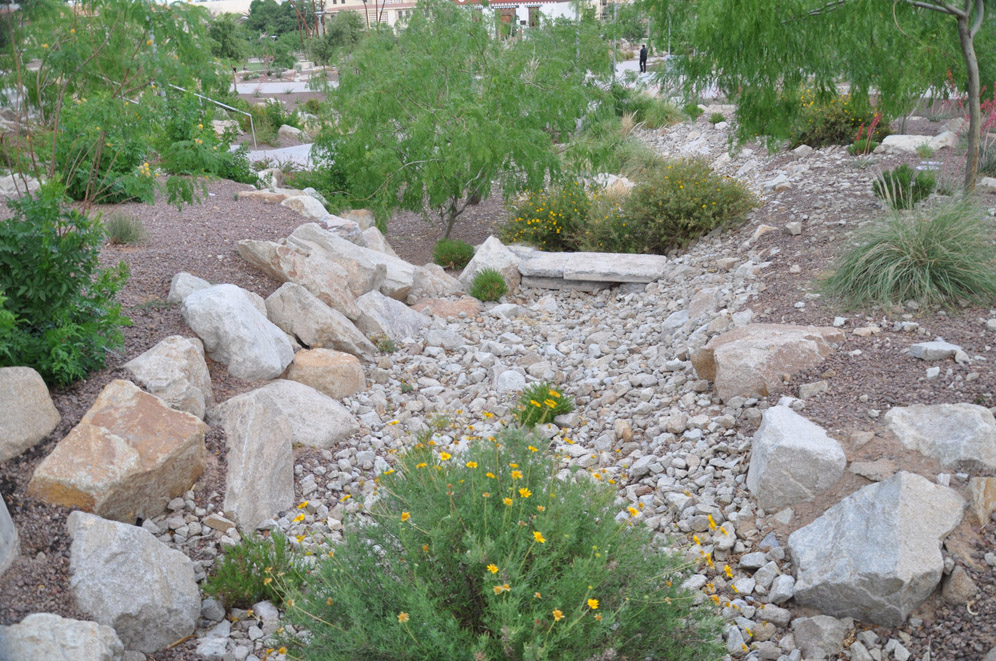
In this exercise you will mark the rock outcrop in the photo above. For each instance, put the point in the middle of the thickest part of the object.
(126, 459)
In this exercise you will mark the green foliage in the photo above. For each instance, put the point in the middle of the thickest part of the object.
(256, 569)
(763, 54)
(693, 110)
(716, 118)
(228, 39)
(489, 556)
(432, 118)
(342, 32)
(659, 113)
(266, 17)
(862, 147)
(452, 253)
(386, 345)
(903, 188)
(548, 219)
(607, 228)
(488, 285)
(924, 150)
(540, 403)
(59, 315)
(681, 201)
(328, 179)
(604, 146)
(834, 121)
(937, 256)
(124, 229)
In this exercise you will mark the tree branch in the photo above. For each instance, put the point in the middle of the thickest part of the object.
(980, 11)
(944, 7)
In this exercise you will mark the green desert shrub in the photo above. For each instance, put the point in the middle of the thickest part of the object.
(903, 188)
(256, 569)
(716, 118)
(487, 555)
(60, 308)
(659, 113)
(938, 256)
(681, 201)
(833, 121)
(452, 253)
(540, 403)
(488, 285)
(124, 229)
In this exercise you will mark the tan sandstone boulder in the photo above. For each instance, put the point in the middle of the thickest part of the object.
(755, 360)
(129, 456)
(334, 373)
(449, 308)
(28, 412)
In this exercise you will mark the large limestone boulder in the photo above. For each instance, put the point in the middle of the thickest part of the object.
(183, 285)
(962, 437)
(260, 478)
(492, 254)
(314, 419)
(363, 275)
(175, 371)
(876, 554)
(903, 144)
(301, 314)
(792, 460)
(290, 134)
(48, 637)
(235, 333)
(357, 260)
(28, 412)
(375, 240)
(431, 281)
(385, 317)
(312, 269)
(334, 373)
(129, 456)
(9, 541)
(125, 578)
(754, 360)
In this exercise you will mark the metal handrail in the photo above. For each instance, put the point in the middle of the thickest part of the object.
(252, 126)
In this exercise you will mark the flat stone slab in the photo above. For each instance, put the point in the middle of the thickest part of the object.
(560, 283)
(594, 266)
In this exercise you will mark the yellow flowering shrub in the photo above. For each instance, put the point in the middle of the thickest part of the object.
(680, 201)
(552, 575)
(548, 219)
(833, 121)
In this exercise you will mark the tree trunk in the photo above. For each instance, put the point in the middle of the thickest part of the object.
(974, 102)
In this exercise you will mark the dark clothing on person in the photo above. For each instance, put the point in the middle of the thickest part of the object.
(643, 60)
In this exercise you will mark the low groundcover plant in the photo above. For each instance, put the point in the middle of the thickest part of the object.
(488, 555)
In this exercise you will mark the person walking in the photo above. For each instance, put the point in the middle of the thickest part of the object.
(643, 59)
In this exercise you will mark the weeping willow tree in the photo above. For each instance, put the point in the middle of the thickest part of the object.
(764, 53)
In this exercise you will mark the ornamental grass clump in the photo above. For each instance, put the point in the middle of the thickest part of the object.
(487, 555)
(452, 253)
(902, 188)
(488, 285)
(540, 403)
(936, 256)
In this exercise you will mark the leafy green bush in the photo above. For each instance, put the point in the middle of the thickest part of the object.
(833, 121)
(123, 229)
(692, 110)
(62, 303)
(254, 570)
(682, 201)
(548, 219)
(937, 256)
(490, 556)
(716, 118)
(452, 253)
(862, 147)
(902, 188)
(488, 285)
(540, 403)
(607, 229)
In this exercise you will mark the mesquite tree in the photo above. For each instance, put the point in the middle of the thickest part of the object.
(432, 118)
(762, 53)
